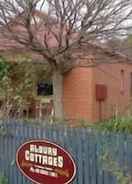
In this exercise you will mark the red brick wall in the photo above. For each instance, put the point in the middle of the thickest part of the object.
(80, 96)
(78, 92)
(116, 102)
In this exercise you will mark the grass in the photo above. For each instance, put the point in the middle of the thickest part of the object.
(3, 179)
(118, 125)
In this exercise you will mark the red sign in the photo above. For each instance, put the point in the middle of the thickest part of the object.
(44, 162)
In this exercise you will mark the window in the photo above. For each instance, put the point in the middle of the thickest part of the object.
(131, 84)
(45, 88)
(122, 89)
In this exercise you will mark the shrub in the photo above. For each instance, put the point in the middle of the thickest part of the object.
(119, 124)
(3, 179)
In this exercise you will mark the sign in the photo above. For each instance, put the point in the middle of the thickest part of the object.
(44, 162)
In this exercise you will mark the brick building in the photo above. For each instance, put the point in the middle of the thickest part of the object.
(99, 84)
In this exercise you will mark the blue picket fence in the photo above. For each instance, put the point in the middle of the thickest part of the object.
(100, 158)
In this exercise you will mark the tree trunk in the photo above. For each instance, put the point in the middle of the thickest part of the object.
(58, 94)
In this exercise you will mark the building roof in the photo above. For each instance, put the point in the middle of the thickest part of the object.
(92, 54)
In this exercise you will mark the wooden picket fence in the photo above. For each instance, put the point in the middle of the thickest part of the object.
(101, 158)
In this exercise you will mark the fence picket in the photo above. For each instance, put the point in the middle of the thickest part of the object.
(87, 147)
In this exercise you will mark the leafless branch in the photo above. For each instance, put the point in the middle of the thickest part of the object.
(52, 27)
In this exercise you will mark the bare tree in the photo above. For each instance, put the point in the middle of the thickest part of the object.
(52, 28)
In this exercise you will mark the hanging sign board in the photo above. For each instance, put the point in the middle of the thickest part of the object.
(44, 162)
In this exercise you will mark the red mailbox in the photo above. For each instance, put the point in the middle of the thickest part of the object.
(101, 92)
